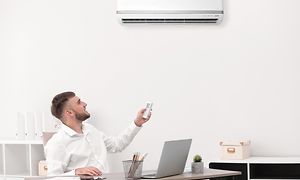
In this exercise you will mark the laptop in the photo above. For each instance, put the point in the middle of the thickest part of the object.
(172, 160)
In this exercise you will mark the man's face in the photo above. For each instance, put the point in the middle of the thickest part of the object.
(78, 107)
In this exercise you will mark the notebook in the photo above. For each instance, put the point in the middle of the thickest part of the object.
(172, 160)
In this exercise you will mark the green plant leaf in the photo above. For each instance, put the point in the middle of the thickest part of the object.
(197, 158)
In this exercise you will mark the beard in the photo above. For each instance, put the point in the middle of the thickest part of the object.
(82, 116)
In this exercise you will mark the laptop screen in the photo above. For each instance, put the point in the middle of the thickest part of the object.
(173, 157)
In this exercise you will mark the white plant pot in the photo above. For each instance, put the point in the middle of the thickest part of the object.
(197, 167)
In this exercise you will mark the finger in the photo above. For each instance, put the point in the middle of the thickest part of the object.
(87, 172)
(96, 170)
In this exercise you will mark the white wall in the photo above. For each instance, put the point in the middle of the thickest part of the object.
(237, 80)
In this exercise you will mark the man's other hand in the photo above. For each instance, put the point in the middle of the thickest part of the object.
(90, 170)
(139, 121)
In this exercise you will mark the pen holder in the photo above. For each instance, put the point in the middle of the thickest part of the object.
(133, 169)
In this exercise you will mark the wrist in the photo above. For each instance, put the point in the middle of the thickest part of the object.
(136, 122)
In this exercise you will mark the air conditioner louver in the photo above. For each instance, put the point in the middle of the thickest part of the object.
(169, 20)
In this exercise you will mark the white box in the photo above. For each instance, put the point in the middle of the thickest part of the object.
(20, 134)
(235, 150)
(29, 126)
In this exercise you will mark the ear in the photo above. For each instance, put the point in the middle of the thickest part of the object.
(69, 112)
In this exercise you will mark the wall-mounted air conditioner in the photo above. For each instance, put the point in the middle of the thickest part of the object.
(170, 11)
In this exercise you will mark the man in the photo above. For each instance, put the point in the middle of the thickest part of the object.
(78, 148)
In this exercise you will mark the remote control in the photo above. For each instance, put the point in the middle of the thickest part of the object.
(148, 109)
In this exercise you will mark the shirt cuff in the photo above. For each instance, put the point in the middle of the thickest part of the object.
(135, 128)
(70, 173)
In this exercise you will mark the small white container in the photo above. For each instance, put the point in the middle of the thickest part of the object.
(235, 149)
(43, 168)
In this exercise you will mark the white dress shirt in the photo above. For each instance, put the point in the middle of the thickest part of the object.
(68, 150)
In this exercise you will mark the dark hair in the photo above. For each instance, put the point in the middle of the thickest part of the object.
(59, 102)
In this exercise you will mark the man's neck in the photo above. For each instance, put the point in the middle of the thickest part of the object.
(76, 125)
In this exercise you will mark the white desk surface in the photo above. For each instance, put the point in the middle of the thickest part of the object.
(208, 173)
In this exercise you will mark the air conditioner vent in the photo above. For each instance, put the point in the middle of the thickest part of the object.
(124, 20)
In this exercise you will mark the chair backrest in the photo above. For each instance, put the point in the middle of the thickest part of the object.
(47, 136)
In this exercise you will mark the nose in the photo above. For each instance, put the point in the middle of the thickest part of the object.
(84, 104)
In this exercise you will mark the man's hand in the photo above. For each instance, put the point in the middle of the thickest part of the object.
(139, 121)
(90, 171)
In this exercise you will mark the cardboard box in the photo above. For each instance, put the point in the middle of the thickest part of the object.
(235, 150)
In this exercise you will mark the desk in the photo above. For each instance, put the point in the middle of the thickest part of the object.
(208, 174)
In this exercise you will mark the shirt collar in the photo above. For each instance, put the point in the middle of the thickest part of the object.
(71, 132)
(85, 130)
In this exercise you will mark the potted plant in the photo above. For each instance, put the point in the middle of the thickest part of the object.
(197, 164)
